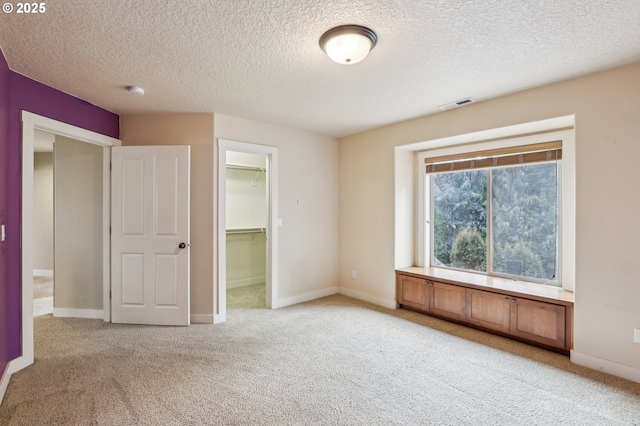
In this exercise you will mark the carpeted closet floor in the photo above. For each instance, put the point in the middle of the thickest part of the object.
(249, 297)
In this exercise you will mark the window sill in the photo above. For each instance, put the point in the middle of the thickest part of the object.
(541, 292)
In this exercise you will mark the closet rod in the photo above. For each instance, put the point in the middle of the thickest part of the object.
(246, 231)
(241, 167)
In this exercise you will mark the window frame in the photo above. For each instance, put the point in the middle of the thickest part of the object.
(566, 225)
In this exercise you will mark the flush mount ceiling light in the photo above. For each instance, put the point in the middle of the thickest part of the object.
(348, 44)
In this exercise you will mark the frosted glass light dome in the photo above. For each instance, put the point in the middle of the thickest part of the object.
(348, 44)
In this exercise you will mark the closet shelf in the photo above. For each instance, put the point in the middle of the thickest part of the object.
(246, 231)
(242, 167)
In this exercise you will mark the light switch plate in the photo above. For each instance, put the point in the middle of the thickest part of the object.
(2, 234)
(636, 335)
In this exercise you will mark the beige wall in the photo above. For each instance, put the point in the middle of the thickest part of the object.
(606, 107)
(195, 130)
(78, 225)
(43, 211)
(308, 172)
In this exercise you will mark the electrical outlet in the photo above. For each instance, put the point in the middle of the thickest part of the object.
(636, 335)
(354, 274)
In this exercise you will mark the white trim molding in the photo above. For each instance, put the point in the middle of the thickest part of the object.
(246, 282)
(4, 381)
(12, 367)
(43, 272)
(220, 243)
(281, 303)
(606, 366)
(201, 318)
(385, 303)
(31, 122)
(78, 313)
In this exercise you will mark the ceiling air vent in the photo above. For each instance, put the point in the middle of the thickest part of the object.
(456, 104)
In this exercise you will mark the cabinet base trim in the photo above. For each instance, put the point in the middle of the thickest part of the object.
(561, 351)
(606, 366)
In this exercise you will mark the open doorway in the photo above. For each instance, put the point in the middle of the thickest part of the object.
(30, 123)
(246, 209)
(253, 199)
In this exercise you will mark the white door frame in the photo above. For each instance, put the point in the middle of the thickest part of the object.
(220, 297)
(31, 122)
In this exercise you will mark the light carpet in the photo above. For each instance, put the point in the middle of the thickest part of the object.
(249, 297)
(333, 361)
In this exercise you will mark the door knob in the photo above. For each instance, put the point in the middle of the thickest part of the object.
(182, 245)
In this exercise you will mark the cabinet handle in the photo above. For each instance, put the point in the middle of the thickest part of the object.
(513, 300)
(506, 299)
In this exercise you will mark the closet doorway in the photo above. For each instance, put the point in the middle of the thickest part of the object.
(247, 227)
(246, 230)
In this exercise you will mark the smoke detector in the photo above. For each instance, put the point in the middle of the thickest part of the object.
(457, 104)
(136, 90)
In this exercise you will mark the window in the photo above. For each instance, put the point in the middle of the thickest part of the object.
(497, 211)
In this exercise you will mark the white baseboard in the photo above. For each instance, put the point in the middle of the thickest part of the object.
(43, 272)
(604, 365)
(78, 313)
(4, 381)
(281, 303)
(12, 367)
(390, 304)
(246, 282)
(201, 318)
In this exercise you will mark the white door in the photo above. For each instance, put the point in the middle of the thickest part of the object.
(150, 235)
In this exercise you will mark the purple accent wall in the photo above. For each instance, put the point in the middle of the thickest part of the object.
(29, 95)
(4, 134)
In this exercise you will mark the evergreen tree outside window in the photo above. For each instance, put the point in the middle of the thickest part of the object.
(500, 220)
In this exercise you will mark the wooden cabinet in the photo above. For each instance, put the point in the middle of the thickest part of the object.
(488, 310)
(540, 320)
(414, 292)
(443, 300)
(448, 301)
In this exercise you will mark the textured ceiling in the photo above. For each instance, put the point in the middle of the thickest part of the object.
(261, 60)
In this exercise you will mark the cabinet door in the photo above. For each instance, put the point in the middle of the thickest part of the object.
(414, 292)
(488, 310)
(538, 321)
(449, 301)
